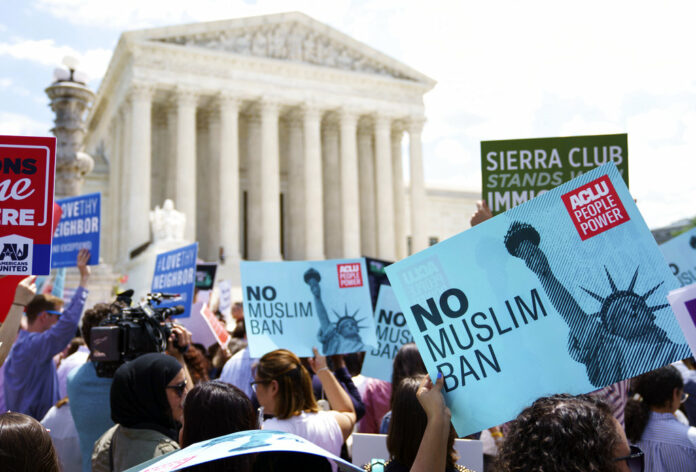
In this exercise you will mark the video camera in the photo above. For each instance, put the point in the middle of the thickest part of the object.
(131, 332)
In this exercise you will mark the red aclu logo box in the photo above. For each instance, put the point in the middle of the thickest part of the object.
(349, 275)
(595, 208)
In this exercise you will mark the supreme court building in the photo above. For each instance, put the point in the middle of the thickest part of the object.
(277, 136)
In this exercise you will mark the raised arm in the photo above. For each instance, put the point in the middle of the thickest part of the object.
(432, 452)
(8, 331)
(341, 404)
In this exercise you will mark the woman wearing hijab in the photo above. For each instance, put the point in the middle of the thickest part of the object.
(146, 405)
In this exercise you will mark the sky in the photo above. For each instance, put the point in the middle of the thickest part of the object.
(505, 70)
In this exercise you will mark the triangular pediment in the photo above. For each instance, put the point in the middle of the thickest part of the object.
(285, 37)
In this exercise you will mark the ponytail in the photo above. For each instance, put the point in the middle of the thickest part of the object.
(636, 414)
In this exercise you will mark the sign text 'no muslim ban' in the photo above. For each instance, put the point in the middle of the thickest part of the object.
(517, 170)
(27, 169)
(564, 293)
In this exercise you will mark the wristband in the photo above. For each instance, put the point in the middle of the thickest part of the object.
(323, 368)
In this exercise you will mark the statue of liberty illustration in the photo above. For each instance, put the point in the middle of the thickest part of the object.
(340, 337)
(621, 340)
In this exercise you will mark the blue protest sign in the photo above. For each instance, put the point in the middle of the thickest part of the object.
(236, 444)
(175, 272)
(680, 254)
(564, 293)
(392, 333)
(79, 228)
(300, 304)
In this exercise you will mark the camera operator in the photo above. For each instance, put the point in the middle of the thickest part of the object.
(31, 383)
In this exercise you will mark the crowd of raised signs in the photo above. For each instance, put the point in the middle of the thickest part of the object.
(59, 414)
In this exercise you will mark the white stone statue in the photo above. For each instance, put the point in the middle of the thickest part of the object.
(167, 223)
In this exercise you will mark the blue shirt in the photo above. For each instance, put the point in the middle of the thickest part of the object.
(31, 383)
(668, 444)
(90, 407)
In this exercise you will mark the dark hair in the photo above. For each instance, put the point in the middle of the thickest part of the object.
(407, 363)
(25, 445)
(214, 409)
(41, 303)
(407, 425)
(561, 432)
(654, 389)
(93, 317)
(74, 345)
(295, 393)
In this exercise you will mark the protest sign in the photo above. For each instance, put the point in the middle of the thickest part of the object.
(565, 293)
(376, 276)
(216, 327)
(236, 444)
(225, 301)
(27, 169)
(517, 170)
(300, 304)
(175, 272)
(79, 228)
(205, 275)
(392, 333)
(680, 254)
(683, 301)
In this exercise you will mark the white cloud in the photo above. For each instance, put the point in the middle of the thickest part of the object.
(16, 124)
(45, 52)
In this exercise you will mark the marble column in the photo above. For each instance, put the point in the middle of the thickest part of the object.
(185, 180)
(313, 185)
(254, 231)
(418, 211)
(138, 167)
(110, 241)
(332, 190)
(368, 228)
(385, 189)
(270, 183)
(212, 183)
(399, 207)
(124, 179)
(295, 194)
(228, 178)
(350, 201)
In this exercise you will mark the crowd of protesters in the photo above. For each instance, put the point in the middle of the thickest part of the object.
(57, 413)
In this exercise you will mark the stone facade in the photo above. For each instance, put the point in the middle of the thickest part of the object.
(277, 136)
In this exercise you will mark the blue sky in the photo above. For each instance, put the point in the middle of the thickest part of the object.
(505, 69)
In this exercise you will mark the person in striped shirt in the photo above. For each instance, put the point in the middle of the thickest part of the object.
(651, 425)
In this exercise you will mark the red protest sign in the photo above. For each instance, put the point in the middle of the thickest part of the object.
(27, 171)
(216, 327)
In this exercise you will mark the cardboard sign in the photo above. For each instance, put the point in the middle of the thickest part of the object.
(683, 301)
(216, 327)
(27, 170)
(517, 170)
(392, 333)
(244, 442)
(300, 304)
(680, 254)
(175, 272)
(205, 275)
(529, 303)
(79, 228)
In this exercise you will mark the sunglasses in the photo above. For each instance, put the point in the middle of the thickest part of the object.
(635, 460)
(178, 388)
(53, 312)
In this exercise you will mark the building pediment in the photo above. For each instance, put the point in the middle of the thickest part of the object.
(291, 37)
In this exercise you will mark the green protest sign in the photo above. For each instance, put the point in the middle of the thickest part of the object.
(517, 170)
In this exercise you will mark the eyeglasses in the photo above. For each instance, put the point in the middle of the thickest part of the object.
(684, 397)
(179, 388)
(635, 460)
(256, 382)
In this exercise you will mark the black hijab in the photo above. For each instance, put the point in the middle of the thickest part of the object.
(138, 394)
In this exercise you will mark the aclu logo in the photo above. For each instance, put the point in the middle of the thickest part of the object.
(16, 254)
